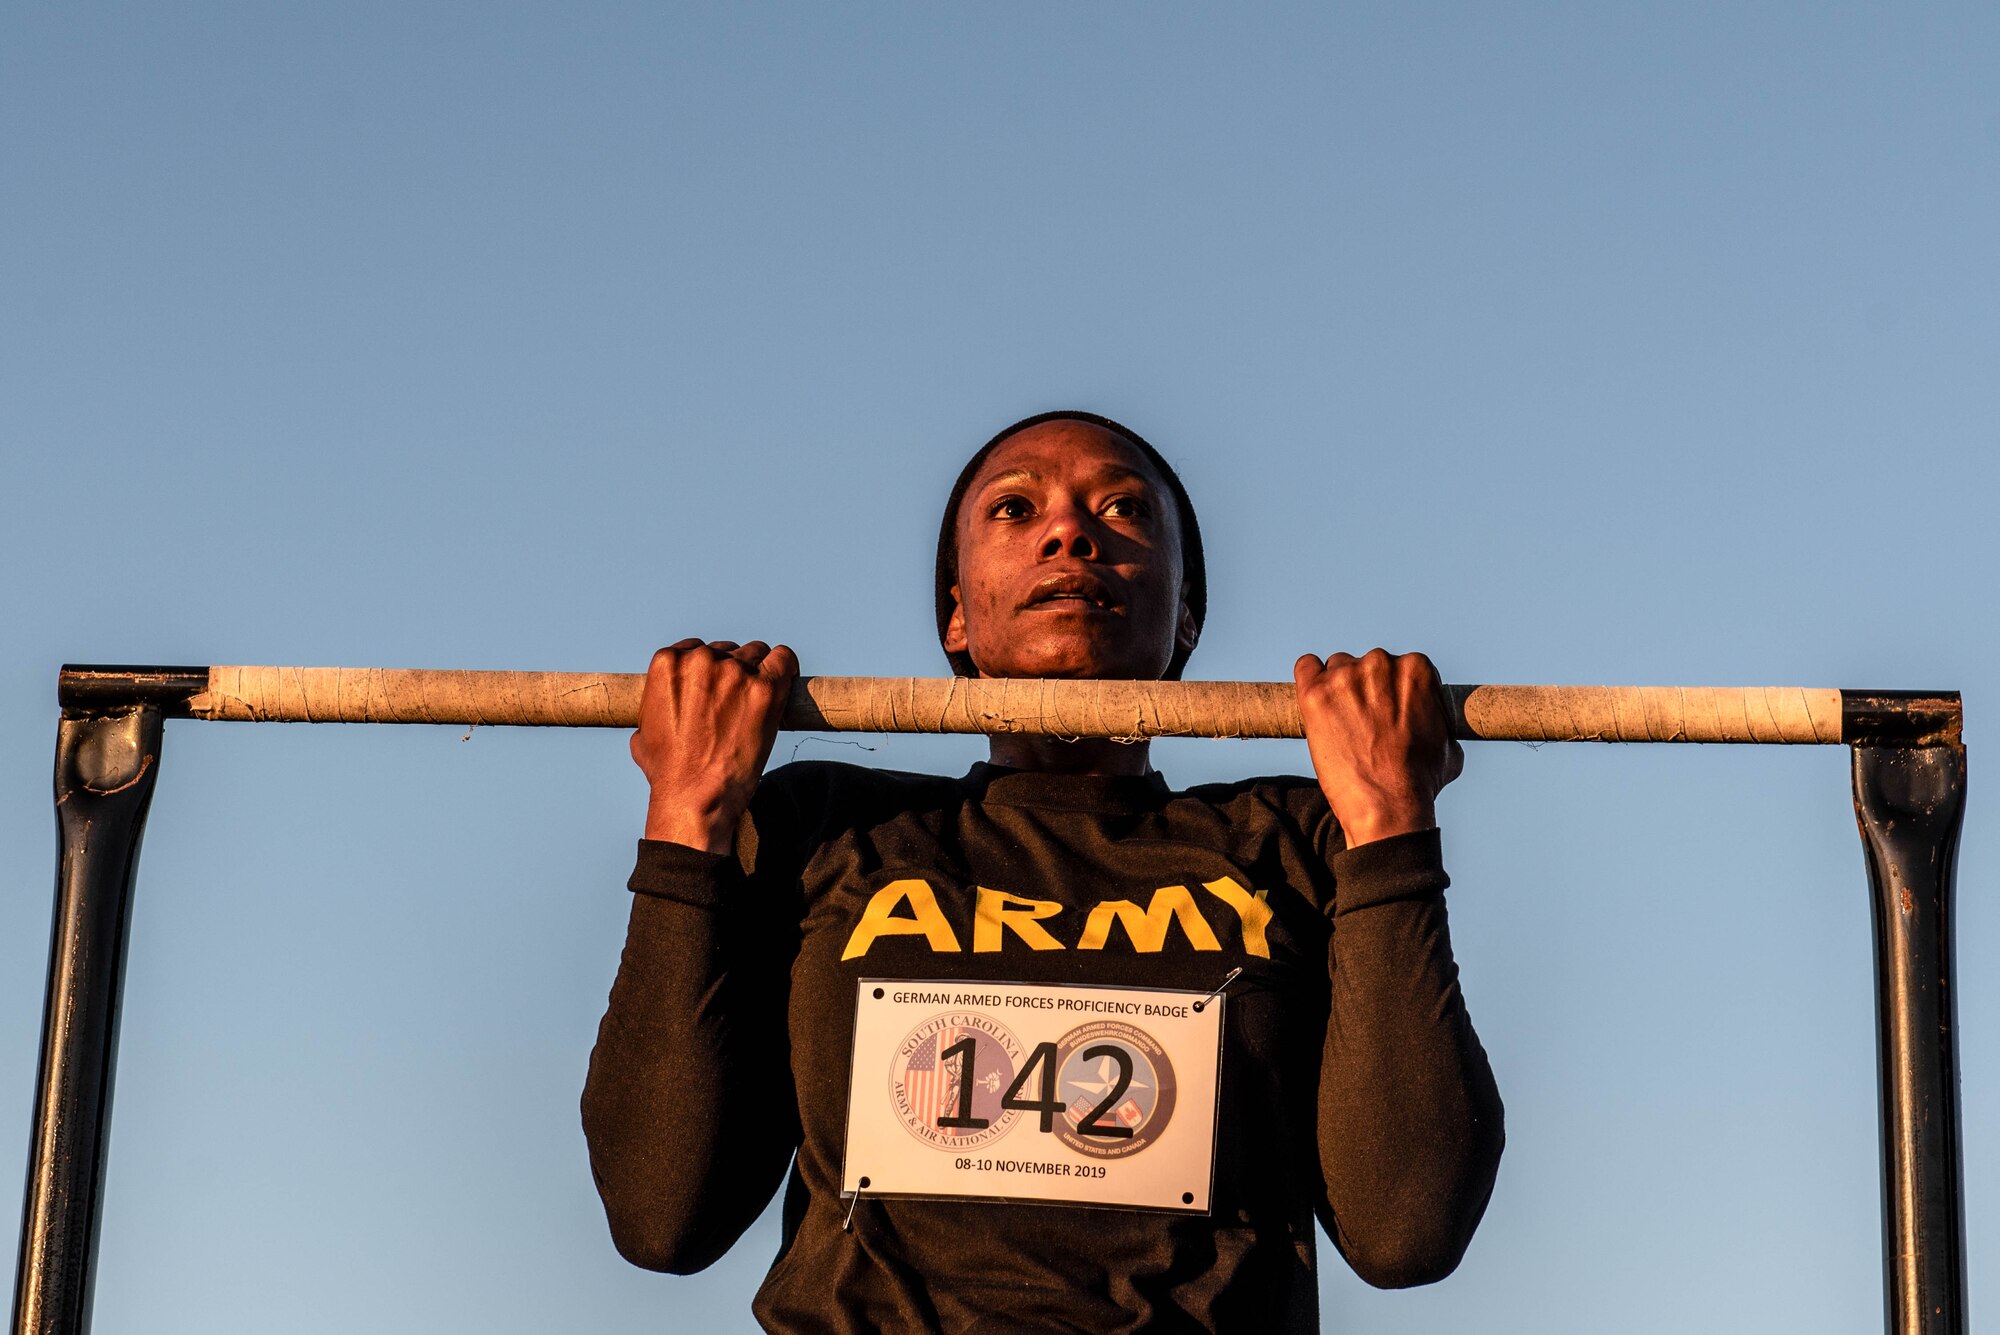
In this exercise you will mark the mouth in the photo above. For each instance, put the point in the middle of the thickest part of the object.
(1073, 592)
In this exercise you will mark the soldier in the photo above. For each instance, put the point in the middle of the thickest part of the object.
(1350, 1086)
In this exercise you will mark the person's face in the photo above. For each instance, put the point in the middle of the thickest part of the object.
(1069, 560)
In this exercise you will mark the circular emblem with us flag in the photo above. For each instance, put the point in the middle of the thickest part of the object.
(948, 1078)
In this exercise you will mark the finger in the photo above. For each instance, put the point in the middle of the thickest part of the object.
(781, 664)
(678, 646)
(1420, 668)
(1337, 664)
(1418, 687)
(1454, 759)
(723, 646)
(1308, 667)
(751, 654)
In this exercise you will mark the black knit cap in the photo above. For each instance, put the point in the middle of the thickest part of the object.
(1194, 575)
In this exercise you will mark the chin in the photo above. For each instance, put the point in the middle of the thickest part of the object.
(1066, 658)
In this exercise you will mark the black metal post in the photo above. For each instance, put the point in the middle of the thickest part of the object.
(106, 765)
(1910, 803)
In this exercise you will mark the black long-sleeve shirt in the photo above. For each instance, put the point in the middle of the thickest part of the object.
(1353, 1087)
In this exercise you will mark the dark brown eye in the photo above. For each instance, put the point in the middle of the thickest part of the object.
(1126, 507)
(1010, 507)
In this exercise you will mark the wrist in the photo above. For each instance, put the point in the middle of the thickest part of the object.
(709, 826)
(1370, 824)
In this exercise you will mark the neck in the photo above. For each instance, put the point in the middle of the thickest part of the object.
(1089, 755)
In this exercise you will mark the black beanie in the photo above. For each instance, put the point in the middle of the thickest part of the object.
(1194, 575)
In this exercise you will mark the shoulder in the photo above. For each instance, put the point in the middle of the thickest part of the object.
(818, 793)
(1291, 805)
(834, 777)
(1291, 794)
(804, 805)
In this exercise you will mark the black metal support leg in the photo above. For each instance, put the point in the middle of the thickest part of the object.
(105, 769)
(1910, 802)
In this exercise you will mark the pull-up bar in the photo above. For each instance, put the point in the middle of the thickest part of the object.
(1122, 709)
(1909, 786)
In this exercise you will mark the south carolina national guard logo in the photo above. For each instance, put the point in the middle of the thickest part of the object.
(1117, 1086)
(943, 1102)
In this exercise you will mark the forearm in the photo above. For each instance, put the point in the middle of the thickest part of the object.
(1410, 1121)
(688, 1108)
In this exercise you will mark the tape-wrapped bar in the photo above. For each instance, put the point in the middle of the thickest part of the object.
(1120, 709)
(1133, 709)
(1124, 709)
(420, 695)
(1127, 710)
(1753, 714)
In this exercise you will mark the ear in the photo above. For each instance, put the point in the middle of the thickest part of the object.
(1188, 632)
(954, 629)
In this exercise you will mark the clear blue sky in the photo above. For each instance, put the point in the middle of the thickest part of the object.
(1573, 343)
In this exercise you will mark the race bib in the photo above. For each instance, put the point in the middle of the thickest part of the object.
(1030, 1092)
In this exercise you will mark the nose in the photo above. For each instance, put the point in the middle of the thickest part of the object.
(1069, 534)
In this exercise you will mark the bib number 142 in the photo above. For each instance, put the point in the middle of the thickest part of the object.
(1033, 1092)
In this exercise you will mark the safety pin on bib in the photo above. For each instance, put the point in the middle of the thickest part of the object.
(1216, 991)
(847, 1225)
